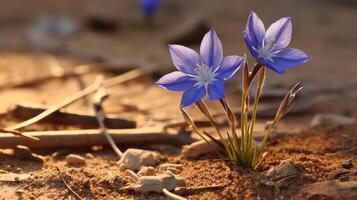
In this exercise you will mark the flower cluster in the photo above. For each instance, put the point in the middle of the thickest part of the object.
(206, 73)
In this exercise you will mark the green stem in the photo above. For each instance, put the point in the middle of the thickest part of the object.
(203, 108)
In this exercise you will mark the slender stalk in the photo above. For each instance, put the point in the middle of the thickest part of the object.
(244, 111)
(232, 123)
(197, 131)
(203, 108)
(260, 85)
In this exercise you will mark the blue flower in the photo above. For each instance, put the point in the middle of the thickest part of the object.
(149, 6)
(200, 74)
(269, 47)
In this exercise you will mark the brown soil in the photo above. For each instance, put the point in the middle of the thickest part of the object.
(102, 179)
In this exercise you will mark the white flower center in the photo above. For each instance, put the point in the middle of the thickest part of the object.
(265, 51)
(205, 75)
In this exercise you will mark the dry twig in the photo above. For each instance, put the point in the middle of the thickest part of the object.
(69, 116)
(67, 186)
(18, 133)
(90, 137)
(98, 99)
(108, 83)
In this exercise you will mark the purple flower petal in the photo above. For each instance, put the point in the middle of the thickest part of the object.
(255, 30)
(216, 90)
(211, 49)
(176, 81)
(192, 95)
(184, 59)
(290, 58)
(229, 67)
(278, 34)
(250, 47)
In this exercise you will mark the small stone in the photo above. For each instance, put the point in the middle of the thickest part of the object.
(271, 173)
(134, 159)
(344, 178)
(283, 170)
(347, 164)
(147, 171)
(166, 180)
(18, 170)
(60, 153)
(20, 191)
(174, 168)
(23, 152)
(73, 159)
(89, 156)
(321, 120)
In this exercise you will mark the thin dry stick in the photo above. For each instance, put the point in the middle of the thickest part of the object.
(98, 99)
(90, 137)
(189, 190)
(67, 186)
(108, 83)
(172, 195)
(18, 133)
(341, 152)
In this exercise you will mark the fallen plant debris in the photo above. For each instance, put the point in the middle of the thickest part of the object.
(90, 137)
(107, 83)
(18, 133)
(69, 116)
(134, 159)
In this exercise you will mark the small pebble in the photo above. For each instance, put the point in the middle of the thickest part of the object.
(89, 156)
(174, 168)
(73, 159)
(344, 178)
(60, 153)
(347, 164)
(18, 170)
(284, 169)
(23, 152)
(19, 191)
(146, 171)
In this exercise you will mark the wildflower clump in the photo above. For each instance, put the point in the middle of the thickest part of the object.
(207, 73)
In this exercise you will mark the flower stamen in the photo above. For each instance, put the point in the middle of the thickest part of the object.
(205, 75)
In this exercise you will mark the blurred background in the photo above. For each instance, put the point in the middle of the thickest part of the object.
(34, 32)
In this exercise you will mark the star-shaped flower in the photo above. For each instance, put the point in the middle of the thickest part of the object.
(270, 47)
(200, 74)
